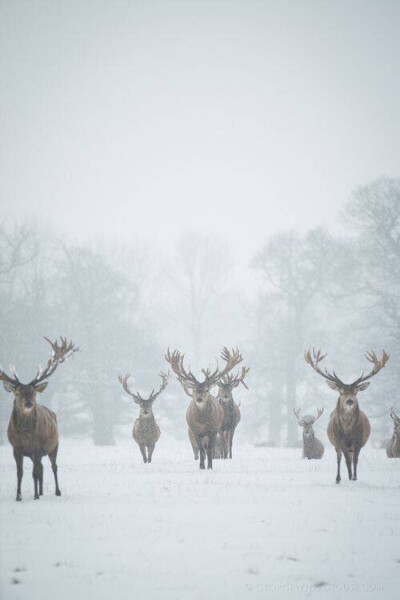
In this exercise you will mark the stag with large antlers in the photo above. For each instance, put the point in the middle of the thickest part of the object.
(393, 447)
(204, 414)
(145, 430)
(32, 429)
(231, 410)
(312, 446)
(349, 428)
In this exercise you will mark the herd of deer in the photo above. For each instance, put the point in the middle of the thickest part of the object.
(32, 430)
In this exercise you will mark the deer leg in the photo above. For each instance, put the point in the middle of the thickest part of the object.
(339, 458)
(143, 451)
(36, 475)
(231, 433)
(150, 450)
(348, 456)
(210, 450)
(200, 443)
(19, 459)
(53, 460)
(355, 462)
(41, 480)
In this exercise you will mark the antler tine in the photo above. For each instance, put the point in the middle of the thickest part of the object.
(232, 359)
(6, 378)
(394, 416)
(59, 354)
(378, 363)
(314, 361)
(123, 379)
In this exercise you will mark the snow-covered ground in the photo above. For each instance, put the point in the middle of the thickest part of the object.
(264, 525)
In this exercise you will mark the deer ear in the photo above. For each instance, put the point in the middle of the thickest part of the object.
(363, 386)
(8, 386)
(41, 387)
(333, 386)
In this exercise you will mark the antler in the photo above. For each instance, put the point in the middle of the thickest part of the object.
(308, 420)
(58, 354)
(314, 361)
(165, 377)
(378, 365)
(187, 379)
(297, 415)
(123, 379)
(393, 415)
(234, 380)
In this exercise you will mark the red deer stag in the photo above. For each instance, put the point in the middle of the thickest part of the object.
(393, 448)
(145, 430)
(32, 429)
(204, 414)
(231, 410)
(312, 446)
(348, 428)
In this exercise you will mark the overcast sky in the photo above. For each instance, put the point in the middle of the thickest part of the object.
(237, 117)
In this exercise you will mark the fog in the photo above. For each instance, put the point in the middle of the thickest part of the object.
(196, 175)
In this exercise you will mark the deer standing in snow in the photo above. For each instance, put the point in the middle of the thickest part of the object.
(312, 446)
(145, 430)
(393, 447)
(32, 430)
(204, 414)
(231, 410)
(349, 427)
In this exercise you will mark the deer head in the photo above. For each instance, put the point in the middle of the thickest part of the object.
(396, 421)
(307, 422)
(146, 404)
(228, 382)
(25, 393)
(200, 390)
(347, 402)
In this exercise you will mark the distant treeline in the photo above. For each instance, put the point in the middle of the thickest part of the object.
(123, 304)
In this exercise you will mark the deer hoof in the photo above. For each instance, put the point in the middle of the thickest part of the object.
(202, 466)
(18, 498)
(36, 497)
(354, 478)
(58, 492)
(337, 479)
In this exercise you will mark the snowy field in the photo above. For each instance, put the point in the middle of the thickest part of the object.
(264, 525)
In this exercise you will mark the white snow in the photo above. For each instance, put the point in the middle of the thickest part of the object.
(266, 524)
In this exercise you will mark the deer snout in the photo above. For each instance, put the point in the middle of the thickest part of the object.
(349, 402)
(199, 399)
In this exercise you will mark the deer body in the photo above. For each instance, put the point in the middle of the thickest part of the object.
(393, 447)
(349, 427)
(35, 434)
(32, 430)
(145, 430)
(230, 420)
(231, 411)
(146, 433)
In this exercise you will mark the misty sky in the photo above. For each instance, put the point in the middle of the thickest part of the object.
(238, 117)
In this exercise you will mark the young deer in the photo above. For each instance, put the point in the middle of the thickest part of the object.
(231, 410)
(204, 414)
(312, 446)
(393, 448)
(349, 428)
(32, 430)
(145, 430)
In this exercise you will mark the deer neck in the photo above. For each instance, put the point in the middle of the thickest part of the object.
(24, 421)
